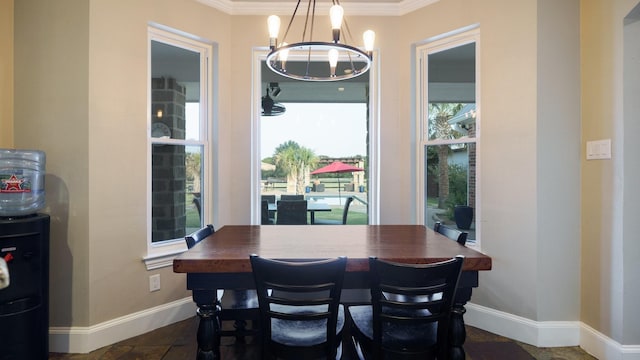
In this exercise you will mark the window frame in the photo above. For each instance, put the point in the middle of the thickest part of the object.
(161, 253)
(422, 51)
(373, 180)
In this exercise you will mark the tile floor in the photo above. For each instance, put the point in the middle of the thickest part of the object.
(177, 341)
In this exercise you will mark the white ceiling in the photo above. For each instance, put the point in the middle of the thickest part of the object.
(351, 7)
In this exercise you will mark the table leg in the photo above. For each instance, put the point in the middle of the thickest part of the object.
(208, 335)
(313, 217)
(457, 331)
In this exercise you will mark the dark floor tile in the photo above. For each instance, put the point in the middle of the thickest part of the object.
(557, 353)
(493, 350)
(178, 341)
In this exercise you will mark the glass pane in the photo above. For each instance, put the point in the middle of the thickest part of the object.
(307, 137)
(450, 186)
(452, 91)
(175, 84)
(177, 177)
(308, 125)
(452, 121)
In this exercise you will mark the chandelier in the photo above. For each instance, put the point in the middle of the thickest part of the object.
(310, 60)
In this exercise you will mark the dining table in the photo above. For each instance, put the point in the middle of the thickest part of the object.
(221, 261)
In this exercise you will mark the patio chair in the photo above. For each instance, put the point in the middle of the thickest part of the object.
(345, 212)
(292, 212)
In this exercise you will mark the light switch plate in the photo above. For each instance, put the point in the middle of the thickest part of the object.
(599, 149)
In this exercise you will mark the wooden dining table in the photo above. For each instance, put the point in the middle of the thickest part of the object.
(221, 261)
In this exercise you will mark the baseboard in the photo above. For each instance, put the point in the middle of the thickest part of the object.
(603, 347)
(86, 339)
(549, 333)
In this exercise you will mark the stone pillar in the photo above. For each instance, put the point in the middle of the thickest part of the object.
(168, 162)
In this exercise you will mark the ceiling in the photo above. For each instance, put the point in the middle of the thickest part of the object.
(351, 7)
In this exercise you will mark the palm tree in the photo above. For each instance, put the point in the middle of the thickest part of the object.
(295, 161)
(193, 168)
(439, 128)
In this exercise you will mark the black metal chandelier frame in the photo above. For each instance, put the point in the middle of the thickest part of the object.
(353, 60)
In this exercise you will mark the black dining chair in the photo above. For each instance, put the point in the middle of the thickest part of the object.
(451, 233)
(410, 310)
(292, 212)
(345, 213)
(238, 306)
(300, 312)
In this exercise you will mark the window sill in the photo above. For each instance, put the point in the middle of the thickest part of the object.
(156, 260)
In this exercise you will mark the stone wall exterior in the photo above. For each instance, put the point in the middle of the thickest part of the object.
(168, 162)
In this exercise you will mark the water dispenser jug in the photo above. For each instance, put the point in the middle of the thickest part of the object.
(21, 182)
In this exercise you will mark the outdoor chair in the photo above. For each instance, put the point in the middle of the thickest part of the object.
(292, 212)
(410, 310)
(291, 197)
(345, 212)
(196, 203)
(271, 199)
(239, 306)
(453, 234)
(264, 213)
(300, 312)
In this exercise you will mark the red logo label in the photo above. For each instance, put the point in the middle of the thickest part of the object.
(14, 185)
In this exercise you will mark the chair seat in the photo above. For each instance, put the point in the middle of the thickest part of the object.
(238, 299)
(394, 335)
(299, 333)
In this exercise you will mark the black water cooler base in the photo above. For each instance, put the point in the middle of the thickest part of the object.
(24, 312)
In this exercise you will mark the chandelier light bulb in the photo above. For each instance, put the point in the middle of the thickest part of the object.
(369, 38)
(283, 55)
(336, 12)
(333, 61)
(355, 61)
(273, 22)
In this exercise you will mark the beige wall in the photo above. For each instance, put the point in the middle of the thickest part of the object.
(610, 273)
(81, 96)
(6, 73)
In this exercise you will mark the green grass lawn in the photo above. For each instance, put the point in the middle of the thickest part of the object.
(354, 217)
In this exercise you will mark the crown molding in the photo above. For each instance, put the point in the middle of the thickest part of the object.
(284, 8)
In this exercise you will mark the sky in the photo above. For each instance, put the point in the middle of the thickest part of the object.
(334, 130)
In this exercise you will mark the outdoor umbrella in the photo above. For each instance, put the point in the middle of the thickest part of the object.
(336, 167)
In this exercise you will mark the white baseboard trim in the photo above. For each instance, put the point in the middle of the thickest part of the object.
(86, 339)
(540, 334)
(603, 347)
(549, 333)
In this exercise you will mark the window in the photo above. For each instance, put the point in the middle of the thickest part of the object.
(311, 125)
(448, 131)
(178, 142)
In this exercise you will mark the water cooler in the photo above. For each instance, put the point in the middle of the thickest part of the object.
(24, 310)
(24, 247)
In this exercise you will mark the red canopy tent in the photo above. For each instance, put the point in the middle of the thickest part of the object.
(336, 167)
